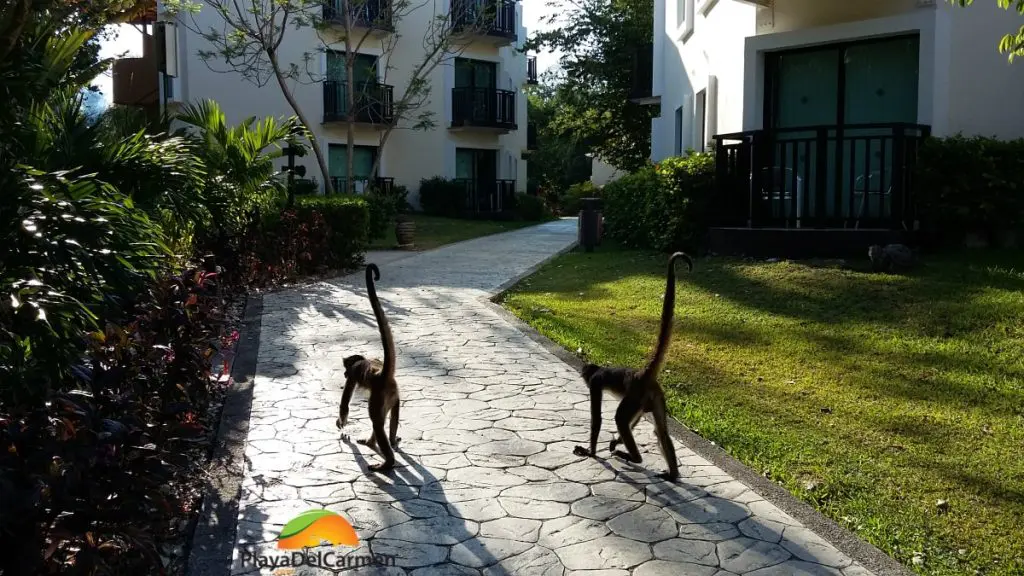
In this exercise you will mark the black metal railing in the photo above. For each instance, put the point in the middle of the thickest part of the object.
(531, 69)
(486, 17)
(852, 176)
(488, 196)
(374, 103)
(363, 185)
(485, 107)
(642, 85)
(531, 136)
(374, 14)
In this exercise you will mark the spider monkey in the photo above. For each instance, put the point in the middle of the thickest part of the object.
(639, 390)
(379, 379)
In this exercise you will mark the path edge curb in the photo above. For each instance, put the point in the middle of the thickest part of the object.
(862, 552)
(213, 541)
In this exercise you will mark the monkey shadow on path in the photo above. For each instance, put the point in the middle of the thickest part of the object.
(422, 540)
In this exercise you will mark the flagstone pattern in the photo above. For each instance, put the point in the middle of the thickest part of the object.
(486, 483)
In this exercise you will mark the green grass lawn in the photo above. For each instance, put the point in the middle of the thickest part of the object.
(434, 231)
(870, 396)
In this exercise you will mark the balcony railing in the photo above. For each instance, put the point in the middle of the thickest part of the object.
(531, 69)
(854, 177)
(484, 107)
(374, 14)
(643, 73)
(485, 17)
(374, 103)
(488, 196)
(364, 185)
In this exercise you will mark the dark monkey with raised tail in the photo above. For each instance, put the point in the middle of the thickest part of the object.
(639, 390)
(379, 379)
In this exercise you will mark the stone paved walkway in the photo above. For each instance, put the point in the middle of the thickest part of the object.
(487, 482)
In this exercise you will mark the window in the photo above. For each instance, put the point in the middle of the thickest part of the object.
(700, 119)
(679, 131)
(362, 166)
(475, 73)
(364, 68)
(705, 6)
(684, 18)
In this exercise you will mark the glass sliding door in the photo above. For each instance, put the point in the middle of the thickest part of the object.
(835, 90)
(362, 166)
(881, 87)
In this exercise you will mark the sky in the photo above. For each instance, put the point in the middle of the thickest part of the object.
(128, 41)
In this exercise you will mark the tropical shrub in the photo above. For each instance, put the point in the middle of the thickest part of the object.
(531, 208)
(970, 185)
(347, 218)
(383, 209)
(242, 182)
(569, 203)
(664, 207)
(99, 471)
(442, 197)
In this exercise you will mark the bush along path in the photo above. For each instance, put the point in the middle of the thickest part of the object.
(486, 481)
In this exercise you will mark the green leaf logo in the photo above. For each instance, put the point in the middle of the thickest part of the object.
(303, 521)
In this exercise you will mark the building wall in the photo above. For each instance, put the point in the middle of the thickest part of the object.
(602, 173)
(685, 62)
(408, 155)
(966, 84)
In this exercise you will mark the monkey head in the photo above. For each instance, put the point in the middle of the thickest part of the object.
(588, 371)
(351, 363)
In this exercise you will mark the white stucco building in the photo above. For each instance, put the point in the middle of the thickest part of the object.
(820, 105)
(719, 66)
(476, 99)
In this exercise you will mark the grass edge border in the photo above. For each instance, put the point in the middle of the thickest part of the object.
(211, 547)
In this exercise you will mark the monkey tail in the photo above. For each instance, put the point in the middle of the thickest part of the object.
(667, 311)
(373, 274)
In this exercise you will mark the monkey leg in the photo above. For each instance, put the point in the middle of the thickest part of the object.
(595, 422)
(393, 436)
(383, 447)
(616, 441)
(629, 409)
(664, 440)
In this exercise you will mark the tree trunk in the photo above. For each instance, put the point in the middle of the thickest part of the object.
(314, 142)
(350, 101)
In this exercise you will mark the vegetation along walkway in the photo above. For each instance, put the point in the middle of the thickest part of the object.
(486, 482)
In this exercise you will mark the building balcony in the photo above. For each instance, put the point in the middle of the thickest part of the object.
(851, 177)
(642, 88)
(363, 185)
(531, 136)
(531, 69)
(136, 81)
(488, 196)
(374, 103)
(489, 20)
(373, 15)
(483, 109)
(789, 15)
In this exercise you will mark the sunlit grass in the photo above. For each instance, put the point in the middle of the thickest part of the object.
(870, 396)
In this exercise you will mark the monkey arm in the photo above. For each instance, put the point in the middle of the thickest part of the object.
(346, 397)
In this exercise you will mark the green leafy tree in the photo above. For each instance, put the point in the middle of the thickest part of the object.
(599, 40)
(560, 159)
(1011, 44)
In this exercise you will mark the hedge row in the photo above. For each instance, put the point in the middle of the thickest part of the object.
(663, 207)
